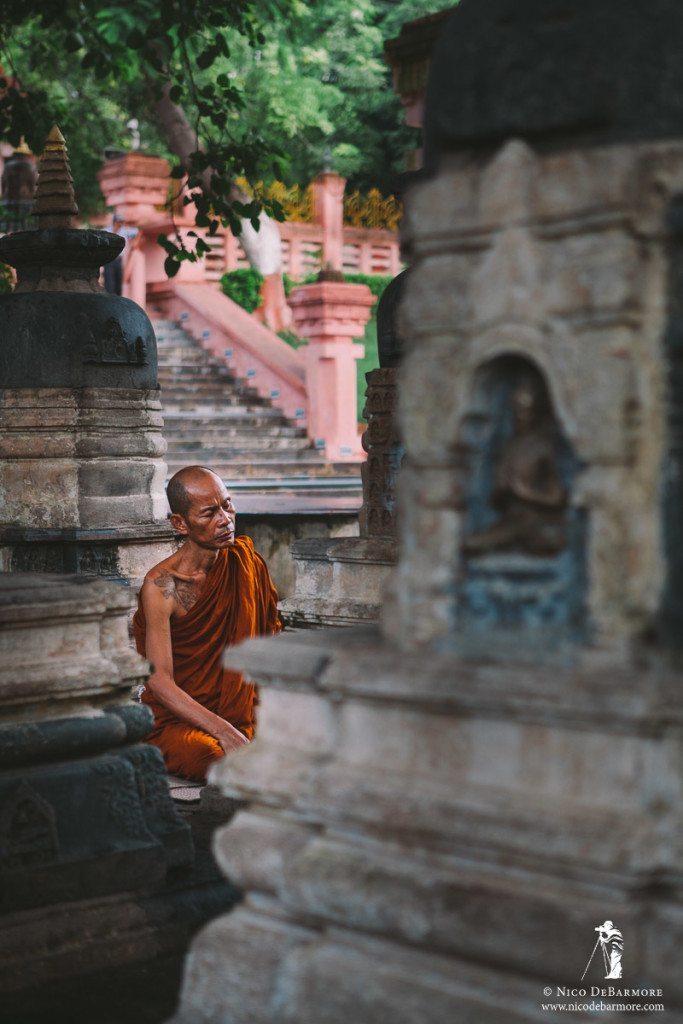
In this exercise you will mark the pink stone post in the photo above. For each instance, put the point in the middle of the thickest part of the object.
(135, 186)
(328, 211)
(331, 314)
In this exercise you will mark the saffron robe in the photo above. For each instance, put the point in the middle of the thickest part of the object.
(237, 601)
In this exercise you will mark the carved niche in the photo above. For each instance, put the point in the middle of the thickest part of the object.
(113, 348)
(523, 540)
(28, 830)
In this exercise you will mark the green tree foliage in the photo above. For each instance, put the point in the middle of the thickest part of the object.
(320, 82)
(63, 58)
(230, 88)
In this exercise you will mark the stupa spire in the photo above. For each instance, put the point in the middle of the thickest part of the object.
(54, 202)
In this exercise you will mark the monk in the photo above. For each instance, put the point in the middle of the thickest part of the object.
(213, 592)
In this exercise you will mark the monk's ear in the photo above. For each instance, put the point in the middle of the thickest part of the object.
(177, 522)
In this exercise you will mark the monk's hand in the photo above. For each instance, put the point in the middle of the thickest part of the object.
(231, 738)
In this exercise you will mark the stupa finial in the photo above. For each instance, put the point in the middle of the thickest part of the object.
(54, 203)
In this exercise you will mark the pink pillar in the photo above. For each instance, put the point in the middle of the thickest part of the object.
(135, 186)
(328, 211)
(331, 314)
(365, 257)
(135, 275)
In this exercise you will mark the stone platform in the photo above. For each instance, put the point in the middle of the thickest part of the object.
(338, 581)
(436, 840)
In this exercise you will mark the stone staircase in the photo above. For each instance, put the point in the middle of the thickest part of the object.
(213, 418)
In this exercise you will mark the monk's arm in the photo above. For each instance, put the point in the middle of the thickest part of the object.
(158, 609)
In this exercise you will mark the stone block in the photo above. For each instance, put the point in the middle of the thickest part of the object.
(233, 970)
(582, 182)
(101, 466)
(594, 271)
(433, 209)
(257, 849)
(438, 297)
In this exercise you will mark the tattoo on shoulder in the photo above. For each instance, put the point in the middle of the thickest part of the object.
(166, 584)
(185, 592)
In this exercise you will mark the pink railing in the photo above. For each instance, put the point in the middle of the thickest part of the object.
(364, 251)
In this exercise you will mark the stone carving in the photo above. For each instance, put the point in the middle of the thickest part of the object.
(152, 782)
(37, 558)
(28, 831)
(118, 789)
(389, 344)
(528, 491)
(113, 347)
(524, 544)
(98, 560)
(385, 454)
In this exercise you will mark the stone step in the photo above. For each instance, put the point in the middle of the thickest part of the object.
(179, 343)
(263, 456)
(231, 416)
(218, 391)
(239, 471)
(245, 438)
(194, 409)
(227, 433)
(175, 355)
(190, 370)
(207, 384)
(240, 444)
(241, 468)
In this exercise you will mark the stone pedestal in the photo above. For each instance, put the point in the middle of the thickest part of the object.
(339, 582)
(408, 850)
(330, 314)
(84, 807)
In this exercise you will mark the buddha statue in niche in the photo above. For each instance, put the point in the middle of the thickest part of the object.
(528, 492)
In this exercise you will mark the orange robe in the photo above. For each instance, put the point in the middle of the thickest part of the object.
(237, 601)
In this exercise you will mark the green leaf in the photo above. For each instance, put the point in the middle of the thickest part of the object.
(136, 39)
(206, 58)
(73, 41)
(171, 266)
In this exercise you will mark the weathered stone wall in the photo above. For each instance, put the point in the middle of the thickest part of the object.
(463, 801)
(562, 259)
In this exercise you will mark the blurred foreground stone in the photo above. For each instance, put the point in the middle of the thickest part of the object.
(442, 812)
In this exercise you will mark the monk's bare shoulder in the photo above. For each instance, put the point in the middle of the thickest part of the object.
(161, 581)
(158, 589)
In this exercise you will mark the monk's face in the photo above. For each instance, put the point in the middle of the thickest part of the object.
(210, 520)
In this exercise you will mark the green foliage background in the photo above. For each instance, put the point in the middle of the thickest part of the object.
(279, 79)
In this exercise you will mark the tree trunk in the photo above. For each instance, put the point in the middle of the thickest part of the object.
(263, 248)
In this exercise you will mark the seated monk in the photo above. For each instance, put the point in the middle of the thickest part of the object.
(213, 592)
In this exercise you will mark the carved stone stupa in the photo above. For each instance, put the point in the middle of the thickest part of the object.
(87, 824)
(81, 468)
(471, 791)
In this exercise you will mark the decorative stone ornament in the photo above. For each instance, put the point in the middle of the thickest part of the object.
(55, 201)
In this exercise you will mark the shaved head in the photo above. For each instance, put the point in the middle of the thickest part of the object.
(183, 483)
